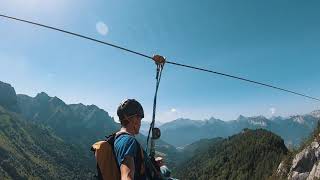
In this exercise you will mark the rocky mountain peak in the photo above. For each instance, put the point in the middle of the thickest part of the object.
(315, 113)
(56, 101)
(8, 96)
(241, 117)
(42, 96)
(260, 117)
(212, 119)
(298, 119)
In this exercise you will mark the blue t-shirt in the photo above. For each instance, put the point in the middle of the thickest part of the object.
(125, 145)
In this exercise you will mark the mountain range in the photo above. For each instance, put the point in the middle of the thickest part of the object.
(293, 129)
(42, 137)
(33, 151)
(76, 126)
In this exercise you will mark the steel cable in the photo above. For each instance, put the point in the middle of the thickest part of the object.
(168, 62)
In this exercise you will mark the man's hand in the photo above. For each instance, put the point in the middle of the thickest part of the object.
(127, 168)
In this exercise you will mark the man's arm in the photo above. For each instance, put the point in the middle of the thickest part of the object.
(127, 168)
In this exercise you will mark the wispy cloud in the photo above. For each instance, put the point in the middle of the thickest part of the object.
(102, 28)
(173, 110)
(272, 110)
(168, 115)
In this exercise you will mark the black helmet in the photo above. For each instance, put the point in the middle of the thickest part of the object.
(130, 107)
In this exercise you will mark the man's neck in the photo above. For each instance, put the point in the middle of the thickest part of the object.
(127, 130)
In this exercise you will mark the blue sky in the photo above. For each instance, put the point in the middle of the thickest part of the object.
(276, 42)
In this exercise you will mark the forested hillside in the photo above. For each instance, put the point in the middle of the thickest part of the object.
(252, 154)
(30, 151)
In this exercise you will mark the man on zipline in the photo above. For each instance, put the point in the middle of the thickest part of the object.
(128, 152)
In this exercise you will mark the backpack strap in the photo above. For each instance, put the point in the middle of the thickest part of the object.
(111, 139)
(140, 160)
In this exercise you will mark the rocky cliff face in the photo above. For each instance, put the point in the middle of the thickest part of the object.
(8, 97)
(305, 164)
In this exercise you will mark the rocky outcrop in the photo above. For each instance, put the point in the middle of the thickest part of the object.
(304, 162)
(315, 172)
(8, 97)
(305, 165)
